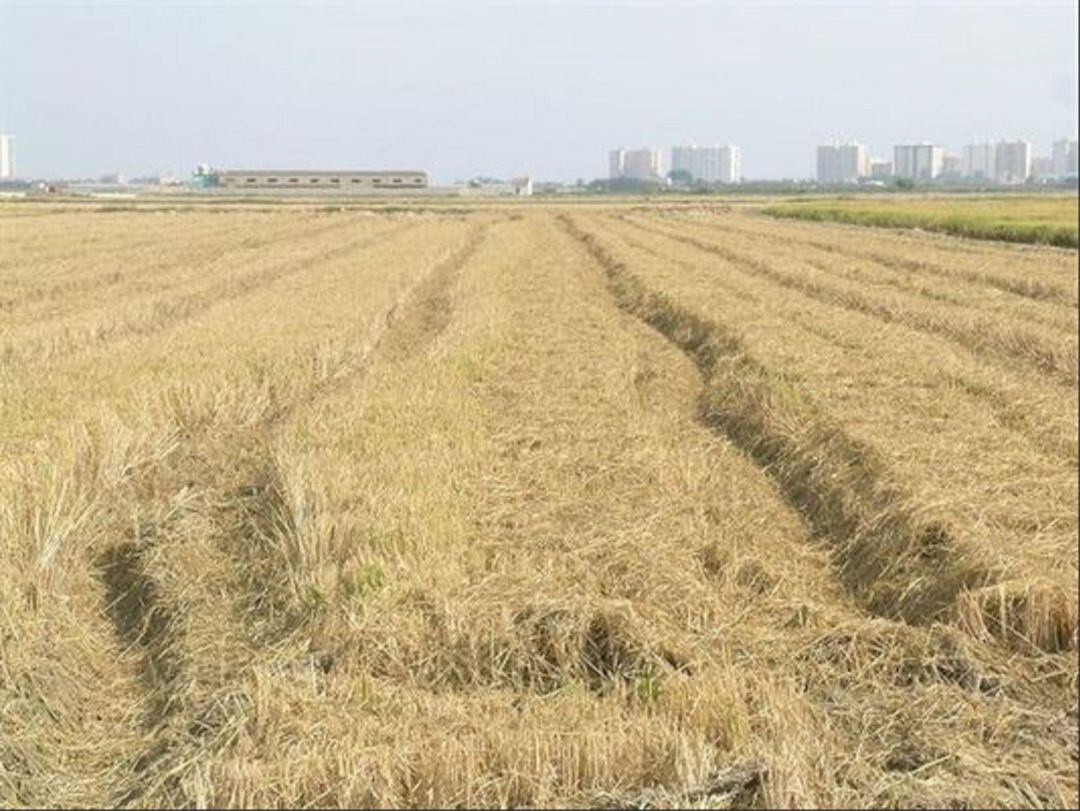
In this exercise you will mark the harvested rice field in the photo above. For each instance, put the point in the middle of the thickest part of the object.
(545, 505)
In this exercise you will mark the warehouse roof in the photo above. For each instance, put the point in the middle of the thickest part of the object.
(320, 172)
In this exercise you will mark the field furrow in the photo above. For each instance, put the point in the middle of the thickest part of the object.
(1018, 402)
(1009, 338)
(71, 286)
(298, 315)
(186, 518)
(1038, 274)
(145, 314)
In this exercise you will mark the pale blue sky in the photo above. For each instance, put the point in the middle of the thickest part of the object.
(463, 88)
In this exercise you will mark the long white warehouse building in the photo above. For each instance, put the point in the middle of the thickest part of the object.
(319, 180)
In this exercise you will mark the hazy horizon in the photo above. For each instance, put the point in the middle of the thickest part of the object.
(545, 88)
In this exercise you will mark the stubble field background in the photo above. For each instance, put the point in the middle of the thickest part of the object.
(532, 505)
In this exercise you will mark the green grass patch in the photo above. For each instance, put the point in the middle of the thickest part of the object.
(1046, 220)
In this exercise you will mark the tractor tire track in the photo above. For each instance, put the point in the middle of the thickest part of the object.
(1033, 289)
(240, 512)
(1007, 411)
(896, 565)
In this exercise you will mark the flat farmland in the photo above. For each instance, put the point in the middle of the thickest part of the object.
(547, 505)
(1048, 219)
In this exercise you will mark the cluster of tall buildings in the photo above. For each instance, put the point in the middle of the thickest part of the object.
(1000, 162)
(7, 157)
(721, 163)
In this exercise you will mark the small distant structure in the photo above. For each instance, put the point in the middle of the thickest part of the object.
(203, 177)
(7, 156)
(521, 186)
(42, 187)
(554, 187)
(498, 187)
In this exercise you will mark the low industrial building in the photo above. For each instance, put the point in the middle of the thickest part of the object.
(310, 180)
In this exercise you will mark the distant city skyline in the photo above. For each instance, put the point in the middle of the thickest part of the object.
(1007, 161)
(460, 89)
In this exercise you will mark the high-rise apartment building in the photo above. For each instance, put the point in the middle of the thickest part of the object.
(687, 159)
(1064, 158)
(918, 161)
(639, 164)
(616, 163)
(842, 163)
(1042, 167)
(712, 164)
(979, 162)
(1012, 161)
(731, 164)
(880, 170)
(7, 157)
